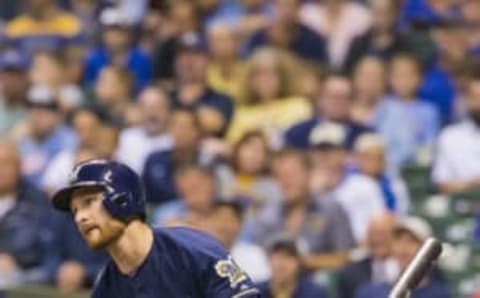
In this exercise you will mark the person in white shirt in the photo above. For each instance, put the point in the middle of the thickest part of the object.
(225, 223)
(332, 180)
(456, 165)
(137, 143)
(369, 159)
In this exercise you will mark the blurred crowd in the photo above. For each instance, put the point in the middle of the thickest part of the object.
(281, 127)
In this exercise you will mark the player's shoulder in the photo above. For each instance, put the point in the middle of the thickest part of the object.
(189, 240)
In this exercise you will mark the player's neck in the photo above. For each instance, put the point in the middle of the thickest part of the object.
(132, 248)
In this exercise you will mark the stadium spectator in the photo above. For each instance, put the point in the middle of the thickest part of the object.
(86, 122)
(322, 224)
(48, 69)
(151, 32)
(215, 110)
(159, 168)
(182, 21)
(196, 187)
(369, 86)
(86, 11)
(409, 235)
(136, 143)
(339, 21)
(470, 13)
(117, 50)
(271, 104)
(107, 143)
(378, 265)
(212, 11)
(112, 93)
(441, 79)
(249, 176)
(406, 143)
(424, 11)
(381, 40)
(24, 224)
(372, 178)
(14, 82)
(134, 9)
(46, 135)
(286, 32)
(44, 26)
(329, 157)
(289, 278)
(225, 223)
(254, 16)
(456, 165)
(332, 104)
(332, 181)
(225, 70)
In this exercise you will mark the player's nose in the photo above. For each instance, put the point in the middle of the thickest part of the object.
(81, 217)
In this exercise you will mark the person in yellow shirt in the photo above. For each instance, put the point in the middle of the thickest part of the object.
(271, 103)
(44, 26)
(225, 70)
(247, 175)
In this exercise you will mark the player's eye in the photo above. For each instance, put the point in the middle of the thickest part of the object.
(89, 200)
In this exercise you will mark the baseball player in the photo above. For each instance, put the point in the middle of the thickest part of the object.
(107, 202)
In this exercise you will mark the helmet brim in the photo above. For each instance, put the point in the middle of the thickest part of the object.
(61, 200)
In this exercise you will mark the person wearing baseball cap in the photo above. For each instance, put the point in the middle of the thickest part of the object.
(408, 236)
(328, 151)
(46, 135)
(289, 278)
(215, 110)
(117, 49)
(14, 80)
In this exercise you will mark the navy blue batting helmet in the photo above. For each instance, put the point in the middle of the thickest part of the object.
(123, 192)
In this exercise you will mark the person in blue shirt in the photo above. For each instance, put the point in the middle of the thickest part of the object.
(106, 200)
(301, 40)
(215, 110)
(116, 49)
(425, 11)
(160, 166)
(408, 124)
(440, 84)
(332, 104)
(288, 276)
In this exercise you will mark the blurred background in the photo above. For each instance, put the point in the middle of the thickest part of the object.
(321, 141)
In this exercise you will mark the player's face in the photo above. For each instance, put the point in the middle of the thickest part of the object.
(97, 227)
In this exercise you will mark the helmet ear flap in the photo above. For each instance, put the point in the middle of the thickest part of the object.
(119, 204)
(121, 199)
